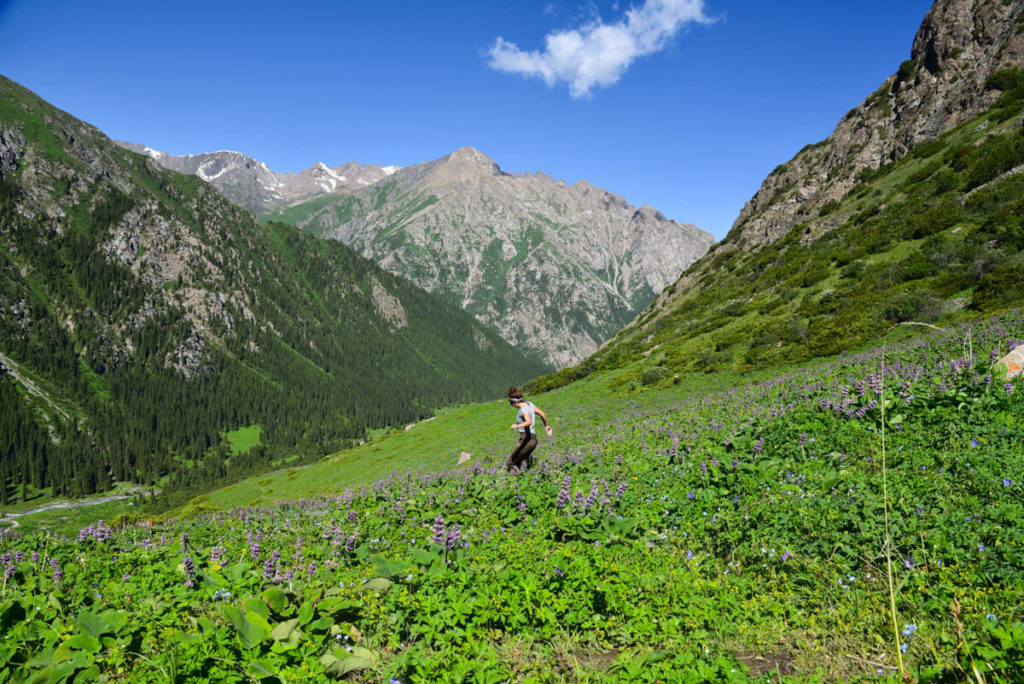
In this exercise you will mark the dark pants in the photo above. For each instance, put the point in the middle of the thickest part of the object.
(522, 455)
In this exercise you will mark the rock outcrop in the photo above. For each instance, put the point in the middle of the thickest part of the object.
(960, 44)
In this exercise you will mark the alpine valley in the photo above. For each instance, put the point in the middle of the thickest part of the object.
(799, 462)
(144, 316)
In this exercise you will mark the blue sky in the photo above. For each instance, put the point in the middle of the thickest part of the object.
(685, 105)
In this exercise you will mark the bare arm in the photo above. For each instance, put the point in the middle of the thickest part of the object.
(544, 417)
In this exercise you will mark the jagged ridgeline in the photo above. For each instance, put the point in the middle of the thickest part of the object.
(143, 316)
(912, 210)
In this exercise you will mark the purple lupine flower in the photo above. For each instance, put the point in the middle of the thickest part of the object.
(269, 569)
(352, 516)
(184, 539)
(735, 463)
(592, 499)
(563, 494)
(803, 439)
(439, 533)
(190, 572)
(35, 555)
(714, 462)
(453, 537)
(350, 543)
(759, 446)
(289, 575)
(311, 570)
(703, 468)
(57, 572)
(618, 459)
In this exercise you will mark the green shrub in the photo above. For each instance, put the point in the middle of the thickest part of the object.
(651, 376)
(1002, 287)
(907, 70)
(922, 306)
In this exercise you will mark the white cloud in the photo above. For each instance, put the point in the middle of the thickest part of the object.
(597, 54)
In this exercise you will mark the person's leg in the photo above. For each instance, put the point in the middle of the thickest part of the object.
(526, 455)
(515, 458)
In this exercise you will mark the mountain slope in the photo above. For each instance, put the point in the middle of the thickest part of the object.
(556, 269)
(252, 185)
(142, 315)
(910, 211)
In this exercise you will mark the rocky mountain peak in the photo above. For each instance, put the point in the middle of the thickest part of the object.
(583, 257)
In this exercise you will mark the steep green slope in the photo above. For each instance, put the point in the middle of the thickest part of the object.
(142, 316)
(929, 238)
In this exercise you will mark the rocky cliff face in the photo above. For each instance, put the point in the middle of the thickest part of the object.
(252, 185)
(555, 268)
(960, 44)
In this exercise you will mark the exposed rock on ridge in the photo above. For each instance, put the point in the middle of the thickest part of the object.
(958, 46)
(556, 269)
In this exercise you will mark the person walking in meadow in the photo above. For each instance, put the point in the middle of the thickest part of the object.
(526, 421)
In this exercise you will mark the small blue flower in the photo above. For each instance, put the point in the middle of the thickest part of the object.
(558, 571)
(1007, 482)
(974, 443)
(903, 647)
(909, 630)
(991, 618)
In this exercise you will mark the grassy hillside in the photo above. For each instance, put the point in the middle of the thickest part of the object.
(733, 533)
(932, 238)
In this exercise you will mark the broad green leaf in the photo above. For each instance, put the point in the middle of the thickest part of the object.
(306, 612)
(252, 627)
(261, 667)
(94, 625)
(381, 584)
(276, 598)
(283, 630)
(255, 605)
(84, 642)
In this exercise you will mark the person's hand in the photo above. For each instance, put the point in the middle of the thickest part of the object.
(547, 429)
(514, 426)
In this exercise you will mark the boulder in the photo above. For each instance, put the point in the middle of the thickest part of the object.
(1014, 362)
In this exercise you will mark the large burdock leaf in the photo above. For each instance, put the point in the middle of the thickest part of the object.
(252, 627)
(339, 663)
